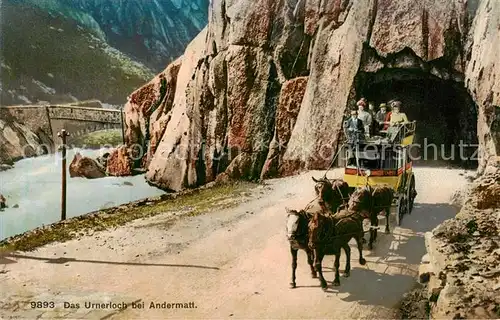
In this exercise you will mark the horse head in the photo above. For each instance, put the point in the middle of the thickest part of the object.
(296, 224)
(323, 188)
(360, 199)
(341, 187)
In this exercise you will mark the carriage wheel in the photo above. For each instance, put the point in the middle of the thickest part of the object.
(411, 194)
(400, 209)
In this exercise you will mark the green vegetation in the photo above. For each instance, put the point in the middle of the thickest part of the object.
(191, 203)
(47, 57)
(97, 139)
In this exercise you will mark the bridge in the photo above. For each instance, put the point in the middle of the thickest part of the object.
(78, 119)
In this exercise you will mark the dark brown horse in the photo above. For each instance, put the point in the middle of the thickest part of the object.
(368, 202)
(328, 233)
(334, 193)
(298, 237)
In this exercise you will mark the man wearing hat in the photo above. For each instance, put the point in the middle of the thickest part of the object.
(353, 127)
(380, 117)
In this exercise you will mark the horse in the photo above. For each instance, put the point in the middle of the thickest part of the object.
(368, 202)
(298, 236)
(328, 233)
(332, 192)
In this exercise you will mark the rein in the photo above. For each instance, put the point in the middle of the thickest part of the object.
(341, 195)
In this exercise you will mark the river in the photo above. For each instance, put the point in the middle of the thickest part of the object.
(34, 184)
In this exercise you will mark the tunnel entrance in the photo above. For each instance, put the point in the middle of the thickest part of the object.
(445, 113)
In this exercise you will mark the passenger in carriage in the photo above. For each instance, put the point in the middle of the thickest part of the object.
(380, 117)
(364, 116)
(397, 117)
(354, 128)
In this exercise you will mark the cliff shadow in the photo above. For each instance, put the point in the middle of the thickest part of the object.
(406, 244)
(369, 287)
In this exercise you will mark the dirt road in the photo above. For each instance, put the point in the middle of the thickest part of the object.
(229, 264)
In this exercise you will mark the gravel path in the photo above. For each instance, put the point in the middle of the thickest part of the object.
(229, 264)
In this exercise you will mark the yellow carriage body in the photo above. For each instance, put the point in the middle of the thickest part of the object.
(387, 160)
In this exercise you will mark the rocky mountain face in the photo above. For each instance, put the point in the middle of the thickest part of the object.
(46, 57)
(463, 271)
(152, 32)
(263, 90)
(17, 142)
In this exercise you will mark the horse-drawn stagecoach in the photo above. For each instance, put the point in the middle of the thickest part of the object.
(378, 176)
(384, 161)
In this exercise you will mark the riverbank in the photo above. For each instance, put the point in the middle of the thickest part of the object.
(34, 184)
(186, 203)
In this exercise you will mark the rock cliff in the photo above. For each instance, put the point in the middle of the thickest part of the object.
(462, 269)
(17, 142)
(264, 88)
(483, 76)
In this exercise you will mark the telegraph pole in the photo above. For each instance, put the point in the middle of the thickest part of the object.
(63, 134)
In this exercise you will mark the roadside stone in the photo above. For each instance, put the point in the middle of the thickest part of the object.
(85, 167)
(425, 271)
(425, 277)
(426, 259)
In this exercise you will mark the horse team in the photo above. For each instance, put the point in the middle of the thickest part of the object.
(331, 220)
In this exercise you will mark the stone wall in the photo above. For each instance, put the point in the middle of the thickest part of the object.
(483, 76)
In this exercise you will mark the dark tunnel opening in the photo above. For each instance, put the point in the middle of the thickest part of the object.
(446, 114)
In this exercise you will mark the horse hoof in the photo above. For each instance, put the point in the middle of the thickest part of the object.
(314, 275)
(370, 246)
(347, 274)
(324, 286)
(363, 240)
(336, 283)
(387, 231)
(293, 285)
(362, 261)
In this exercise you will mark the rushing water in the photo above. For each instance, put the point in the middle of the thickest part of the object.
(35, 186)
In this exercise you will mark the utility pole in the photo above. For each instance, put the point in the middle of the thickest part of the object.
(63, 134)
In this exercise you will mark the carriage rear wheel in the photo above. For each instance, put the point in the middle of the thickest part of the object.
(400, 209)
(411, 194)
